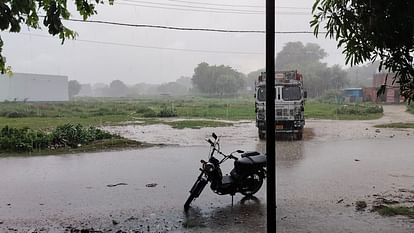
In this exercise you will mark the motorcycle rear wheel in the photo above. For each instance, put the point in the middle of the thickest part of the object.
(251, 184)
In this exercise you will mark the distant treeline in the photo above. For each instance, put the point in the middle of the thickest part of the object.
(221, 80)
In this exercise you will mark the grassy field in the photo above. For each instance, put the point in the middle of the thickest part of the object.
(318, 110)
(106, 111)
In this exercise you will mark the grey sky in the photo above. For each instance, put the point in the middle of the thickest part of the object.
(91, 62)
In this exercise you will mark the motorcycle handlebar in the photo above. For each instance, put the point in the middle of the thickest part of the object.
(209, 141)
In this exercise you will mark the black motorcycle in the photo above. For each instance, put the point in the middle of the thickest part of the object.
(246, 177)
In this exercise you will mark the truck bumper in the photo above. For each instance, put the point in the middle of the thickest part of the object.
(283, 126)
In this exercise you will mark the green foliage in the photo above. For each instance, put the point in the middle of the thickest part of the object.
(372, 30)
(395, 210)
(319, 110)
(397, 125)
(74, 88)
(117, 88)
(74, 135)
(172, 88)
(15, 13)
(197, 124)
(359, 109)
(21, 140)
(68, 135)
(307, 59)
(167, 112)
(217, 80)
(104, 111)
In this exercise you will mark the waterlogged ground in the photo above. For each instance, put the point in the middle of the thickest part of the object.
(318, 182)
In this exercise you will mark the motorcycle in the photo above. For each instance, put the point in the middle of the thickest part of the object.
(246, 177)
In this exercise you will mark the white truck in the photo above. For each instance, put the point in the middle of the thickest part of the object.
(289, 104)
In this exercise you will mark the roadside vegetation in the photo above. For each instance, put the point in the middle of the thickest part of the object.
(363, 111)
(153, 110)
(395, 210)
(397, 125)
(410, 108)
(66, 138)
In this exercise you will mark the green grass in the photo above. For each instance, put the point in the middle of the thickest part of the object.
(400, 125)
(110, 111)
(395, 210)
(196, 124)
(51, 122)
(410, 108)
(96, 146)
(318, 110)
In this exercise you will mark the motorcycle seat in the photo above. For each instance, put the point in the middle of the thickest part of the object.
(251, 162)
(249, 153)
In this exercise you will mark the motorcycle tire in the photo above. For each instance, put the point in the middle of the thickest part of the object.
(251, 184)
(195, 192)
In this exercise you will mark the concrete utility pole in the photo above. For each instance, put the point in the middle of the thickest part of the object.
(270, 116)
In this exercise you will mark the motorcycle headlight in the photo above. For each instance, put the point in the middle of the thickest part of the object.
(208, 167)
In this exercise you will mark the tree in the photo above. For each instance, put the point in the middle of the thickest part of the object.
(172, 88)
(117, 89)
(185, 81)
(15, 13)
(73, 87)
(252, 77)
(362, 75)
(213, 80)
(295, 54)
(307, 59)
(372, 30)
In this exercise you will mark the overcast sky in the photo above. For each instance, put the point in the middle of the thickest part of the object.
(90, 62)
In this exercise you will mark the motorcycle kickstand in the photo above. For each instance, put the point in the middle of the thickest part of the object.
(232, 196)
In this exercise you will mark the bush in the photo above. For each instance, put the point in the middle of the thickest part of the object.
(68, 135)
(73, 135)
(147, 112)
(167, 112)
(15, 114)
(20, 140)
(358, 109)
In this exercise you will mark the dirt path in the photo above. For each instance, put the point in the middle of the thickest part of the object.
(355, 130)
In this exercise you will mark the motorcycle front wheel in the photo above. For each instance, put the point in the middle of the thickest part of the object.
(251, 184)
(195, 191)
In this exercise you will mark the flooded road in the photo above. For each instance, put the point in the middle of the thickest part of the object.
(55, 192)
(318, 182)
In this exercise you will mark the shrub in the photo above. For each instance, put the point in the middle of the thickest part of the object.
(15, 114)
(68, 135)
(149, 113)
(359, 109)
(167, 112)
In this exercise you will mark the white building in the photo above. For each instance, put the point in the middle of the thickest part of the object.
(33, 87)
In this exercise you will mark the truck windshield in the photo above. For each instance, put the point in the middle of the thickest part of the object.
(291, 93)
(261, 94)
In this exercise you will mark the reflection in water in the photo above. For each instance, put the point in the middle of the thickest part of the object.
(248, 214)
(285, 150)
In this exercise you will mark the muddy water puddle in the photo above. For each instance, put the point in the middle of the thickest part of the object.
(55, 192)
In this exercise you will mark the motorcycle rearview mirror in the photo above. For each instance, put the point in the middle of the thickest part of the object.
(214, 136)
(239, 151)
(211, 142)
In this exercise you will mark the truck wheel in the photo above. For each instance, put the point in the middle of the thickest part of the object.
(299, 135)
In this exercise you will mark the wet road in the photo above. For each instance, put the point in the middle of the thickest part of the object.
(55, 192)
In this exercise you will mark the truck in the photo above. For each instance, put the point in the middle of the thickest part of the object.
(289, 104)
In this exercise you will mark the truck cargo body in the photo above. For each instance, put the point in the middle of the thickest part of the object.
(289, 104)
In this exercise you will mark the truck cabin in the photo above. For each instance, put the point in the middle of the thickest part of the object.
(285, 92)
